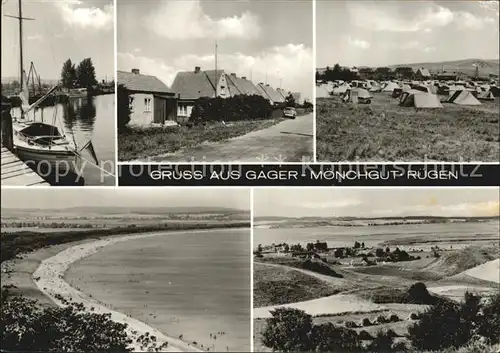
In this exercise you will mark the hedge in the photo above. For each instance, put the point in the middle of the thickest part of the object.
(235, 108)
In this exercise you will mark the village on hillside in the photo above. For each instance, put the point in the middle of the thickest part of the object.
(384, 285)
(229, 96)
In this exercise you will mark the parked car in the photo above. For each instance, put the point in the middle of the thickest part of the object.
(290, 112)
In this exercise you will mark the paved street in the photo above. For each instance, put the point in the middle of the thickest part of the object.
(288, 141)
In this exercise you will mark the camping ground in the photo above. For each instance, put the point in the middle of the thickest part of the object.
(385, 131)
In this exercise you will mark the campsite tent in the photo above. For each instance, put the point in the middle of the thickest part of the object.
(363, 93)
(390, 87)
(341, 89)
(486, 96)
(406, 88)
(376, 87)
(420, 87)
(323, 91)
(350, 96)
(463, 97)
(419, 99)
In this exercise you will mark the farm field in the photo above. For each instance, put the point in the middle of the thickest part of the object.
(385, 131)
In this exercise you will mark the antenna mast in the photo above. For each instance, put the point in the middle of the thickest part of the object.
(215, 81)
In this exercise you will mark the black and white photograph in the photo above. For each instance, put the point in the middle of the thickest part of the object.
(125, 270)
(58, 102)
(376, 270)
(212, 81)
(407, 81)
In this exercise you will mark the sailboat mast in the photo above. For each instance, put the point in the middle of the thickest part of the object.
(21, 43)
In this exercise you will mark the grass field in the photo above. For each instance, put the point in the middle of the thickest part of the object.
(274, 286)
(384, 131)
(142, 143)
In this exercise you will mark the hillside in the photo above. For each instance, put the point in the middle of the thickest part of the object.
(491, 66)
(13, 212)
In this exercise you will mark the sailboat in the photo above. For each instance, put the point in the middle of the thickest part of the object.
(41, 142)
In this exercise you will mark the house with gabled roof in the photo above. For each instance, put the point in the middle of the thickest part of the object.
(270, 93)
(193, 85)
(241, 85)
(422, 74)
(150, 100)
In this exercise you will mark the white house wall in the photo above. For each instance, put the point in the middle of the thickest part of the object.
(139, 115)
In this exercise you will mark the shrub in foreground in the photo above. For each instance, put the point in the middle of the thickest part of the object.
(27, 326)
(288, 330)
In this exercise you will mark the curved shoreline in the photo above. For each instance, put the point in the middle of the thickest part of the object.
(49, 278)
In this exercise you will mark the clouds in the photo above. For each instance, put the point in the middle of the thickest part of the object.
(183, 20)
(328, 202)
(76, 14)
(359, 43)
(378, 17)
(288, 64)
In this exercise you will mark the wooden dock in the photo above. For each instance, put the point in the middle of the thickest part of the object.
(16, 173)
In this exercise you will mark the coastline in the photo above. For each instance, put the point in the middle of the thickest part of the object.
(51, 282)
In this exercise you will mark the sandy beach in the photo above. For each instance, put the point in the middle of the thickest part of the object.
(49, 278)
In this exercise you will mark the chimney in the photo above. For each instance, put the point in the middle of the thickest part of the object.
(244, 77)
(261, 83)
(197, 69)
(233, 74)
(135, 71)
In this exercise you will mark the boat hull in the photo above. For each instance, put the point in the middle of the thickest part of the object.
(59, 162)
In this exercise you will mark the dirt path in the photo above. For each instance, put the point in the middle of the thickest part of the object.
(49, 278)
(288, 141)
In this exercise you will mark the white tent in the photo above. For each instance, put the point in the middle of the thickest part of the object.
(463, 97)
(390, 86)
(419, 99)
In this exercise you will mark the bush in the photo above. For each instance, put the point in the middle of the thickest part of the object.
(393, 318)
(381, 320)
(350, 324)
(440, 327)
(364, 335)
(319, 267)
(382, 342)
(123, 113)
(235, 108)
(288, 330)
(366, 322)
(489, 326)
(330, 338)
(28, 327)
(418, 294)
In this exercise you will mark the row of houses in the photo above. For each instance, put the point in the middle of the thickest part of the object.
(152, 102)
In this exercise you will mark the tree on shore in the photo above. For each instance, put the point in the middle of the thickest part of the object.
(68, 74)
(85, 74)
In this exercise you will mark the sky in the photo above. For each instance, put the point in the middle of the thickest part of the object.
(48, 198)
(254, 37)
(389, 202)
(62, 29)
(369, 33)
